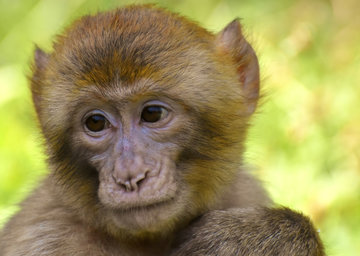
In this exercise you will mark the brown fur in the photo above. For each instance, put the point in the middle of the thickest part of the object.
(199, 201)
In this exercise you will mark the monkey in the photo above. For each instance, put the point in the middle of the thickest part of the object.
(144, 115)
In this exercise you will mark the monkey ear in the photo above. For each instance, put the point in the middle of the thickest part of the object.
(231, 41)
(41, 60)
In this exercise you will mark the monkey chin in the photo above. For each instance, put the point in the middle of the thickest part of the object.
(151, 220)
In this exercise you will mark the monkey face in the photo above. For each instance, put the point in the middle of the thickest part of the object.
(144, 125)
(131, 142)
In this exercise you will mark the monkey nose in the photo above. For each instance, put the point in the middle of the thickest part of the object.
(131, 184)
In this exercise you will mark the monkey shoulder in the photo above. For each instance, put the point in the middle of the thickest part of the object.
(44, 226)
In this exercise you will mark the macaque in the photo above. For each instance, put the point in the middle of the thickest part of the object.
(144, 116)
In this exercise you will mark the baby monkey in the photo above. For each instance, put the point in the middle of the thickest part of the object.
(144, 115)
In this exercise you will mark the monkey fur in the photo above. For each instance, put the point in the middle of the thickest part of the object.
(144, 115)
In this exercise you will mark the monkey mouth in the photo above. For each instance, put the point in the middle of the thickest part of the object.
(145, 219)
(124, 203)
(144, 207)
(147, 198)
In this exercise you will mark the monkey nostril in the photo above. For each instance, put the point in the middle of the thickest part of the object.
(131, 183)
(127, 186)
(138, 180)
(124, 184)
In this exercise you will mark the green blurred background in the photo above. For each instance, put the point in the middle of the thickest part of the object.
(305, 142)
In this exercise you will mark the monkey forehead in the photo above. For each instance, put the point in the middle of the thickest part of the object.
(129, 43)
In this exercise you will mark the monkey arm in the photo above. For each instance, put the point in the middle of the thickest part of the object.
(250, 231)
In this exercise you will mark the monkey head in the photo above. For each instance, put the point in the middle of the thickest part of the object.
(142, 122)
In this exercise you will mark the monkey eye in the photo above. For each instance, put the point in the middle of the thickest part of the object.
(152, 114)
(96, 123)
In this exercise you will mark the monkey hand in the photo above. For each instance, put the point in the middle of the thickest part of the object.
(255, 231)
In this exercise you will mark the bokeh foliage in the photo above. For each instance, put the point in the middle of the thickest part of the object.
(305, 142)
